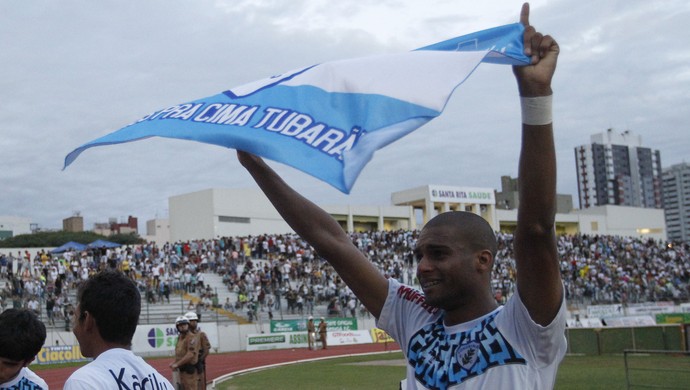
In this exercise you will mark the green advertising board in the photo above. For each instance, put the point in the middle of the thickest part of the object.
(673, 318)
(300, 325)
(256, 340)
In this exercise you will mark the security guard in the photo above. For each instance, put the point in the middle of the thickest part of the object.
(186, 355)
(204, 347)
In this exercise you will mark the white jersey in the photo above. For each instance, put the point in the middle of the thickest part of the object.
(25, 380)
(504, 349)
(117, 369)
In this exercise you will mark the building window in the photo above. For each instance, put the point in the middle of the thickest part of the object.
(223, 218)
(595, 226)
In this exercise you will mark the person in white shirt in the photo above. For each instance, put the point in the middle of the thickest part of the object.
(453, 333)
(33, 305)
(105, 319)
(22, 336)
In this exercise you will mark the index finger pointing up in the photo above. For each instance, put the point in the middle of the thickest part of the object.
(524, 15)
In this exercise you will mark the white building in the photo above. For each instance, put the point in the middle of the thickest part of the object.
(11, 226)
(623, 221)
(158, 231)
(432, 200)
(214, 213)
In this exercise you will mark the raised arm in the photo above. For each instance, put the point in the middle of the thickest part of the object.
(538, 274)
(322, 232)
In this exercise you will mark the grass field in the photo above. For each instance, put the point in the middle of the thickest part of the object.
(385, 371)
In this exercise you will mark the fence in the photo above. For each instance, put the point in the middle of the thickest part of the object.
(598, 341)
(657, 369)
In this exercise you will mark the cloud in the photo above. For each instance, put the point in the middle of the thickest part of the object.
(74, 70)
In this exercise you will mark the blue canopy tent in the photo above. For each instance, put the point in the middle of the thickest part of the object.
(69, 246)
(103, 244)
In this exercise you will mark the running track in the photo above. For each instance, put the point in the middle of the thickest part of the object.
(224, 363)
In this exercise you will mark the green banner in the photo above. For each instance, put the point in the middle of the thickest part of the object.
(300, 325)
(256, 340)
(673, 318)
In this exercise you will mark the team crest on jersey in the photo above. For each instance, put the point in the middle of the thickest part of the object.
(441, 360)
(467, 355)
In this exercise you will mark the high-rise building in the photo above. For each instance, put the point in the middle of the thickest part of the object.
(615, 169)
(676, 189)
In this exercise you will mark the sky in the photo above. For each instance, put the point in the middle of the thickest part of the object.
(72, 71)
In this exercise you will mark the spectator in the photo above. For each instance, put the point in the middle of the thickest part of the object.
(50, 307)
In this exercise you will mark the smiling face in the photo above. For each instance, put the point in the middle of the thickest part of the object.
(455, 254)
(445, 269)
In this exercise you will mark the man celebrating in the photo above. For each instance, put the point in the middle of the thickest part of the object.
(454, 335)
(105, 319)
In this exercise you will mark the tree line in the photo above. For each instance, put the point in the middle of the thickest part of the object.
(57, 238)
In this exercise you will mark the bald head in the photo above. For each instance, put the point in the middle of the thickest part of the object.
(472, 229)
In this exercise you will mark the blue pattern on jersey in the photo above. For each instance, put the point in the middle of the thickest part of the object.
(24, 384)
(441, 360)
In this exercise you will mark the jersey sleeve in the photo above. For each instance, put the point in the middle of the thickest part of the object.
(404, 312)
(540, 344)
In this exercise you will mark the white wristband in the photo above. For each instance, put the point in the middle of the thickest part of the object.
(536, 111)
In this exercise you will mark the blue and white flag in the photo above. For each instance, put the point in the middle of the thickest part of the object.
(328, 119)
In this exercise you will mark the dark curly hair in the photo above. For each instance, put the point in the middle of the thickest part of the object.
(22, 334)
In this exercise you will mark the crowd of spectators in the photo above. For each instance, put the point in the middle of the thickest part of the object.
(272, 273)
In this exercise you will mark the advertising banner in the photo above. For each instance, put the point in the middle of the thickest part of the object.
(155, 338)
(630, 321)
(347, 337)
(650, 309)
(380, 336)
(300, 325)
(161, 339)
(673, 318)
(601, 311)
(280, 326)
(60, 354)
(261, 342)
(257, 342)
(591, 323)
